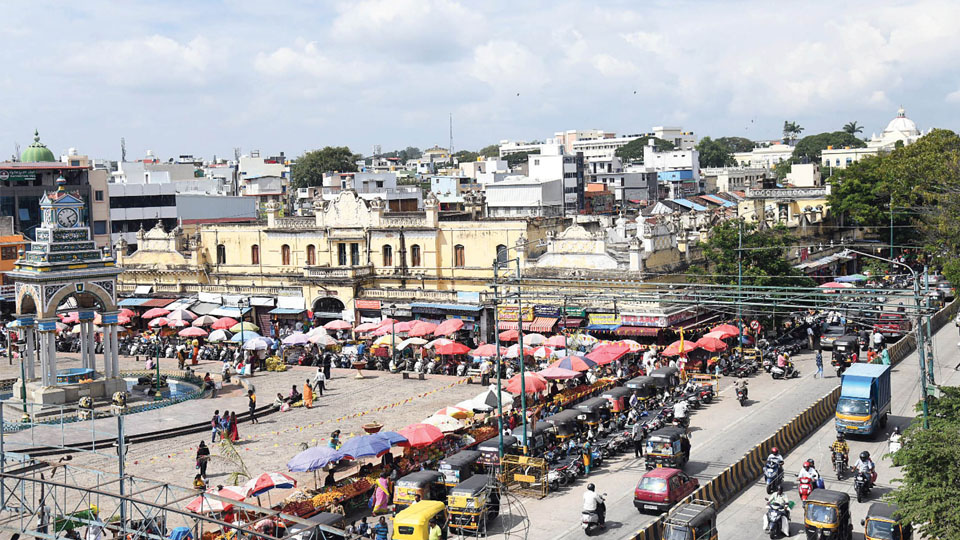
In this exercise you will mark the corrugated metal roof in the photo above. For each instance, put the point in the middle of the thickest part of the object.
(689, 204)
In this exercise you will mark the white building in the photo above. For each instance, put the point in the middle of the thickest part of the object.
(485, 170)
(550, 146)
(721, 179)
(764, 156)
(637, 183)
(602, 148)
(524, 197)
(678, 169)
(253, 166)
(682, 140)
(899, 130)
(369, 186)
(559, 166)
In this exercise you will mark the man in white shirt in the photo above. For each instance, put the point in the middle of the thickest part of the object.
(592, 502)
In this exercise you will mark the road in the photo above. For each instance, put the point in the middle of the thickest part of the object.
(722, 432)
(742, 518)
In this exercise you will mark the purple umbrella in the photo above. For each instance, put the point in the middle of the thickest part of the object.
(392, 437)
(297, 338)
(364, 446)
(314, 458)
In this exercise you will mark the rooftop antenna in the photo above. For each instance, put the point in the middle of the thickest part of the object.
(236, 153)
(451, 138)
(123, 149)
(16, 155)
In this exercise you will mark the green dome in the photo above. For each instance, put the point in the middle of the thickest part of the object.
(37, 152)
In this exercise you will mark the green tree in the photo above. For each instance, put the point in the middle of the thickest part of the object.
(853, 128)
(464, 156)
(633, 150)
(791, 130)
(929, 479)
(229, 455)
(492, 150)
(714, 153)
(517, 158)
(737, 144)
(763, 256)
(308, 169)
(808, 149)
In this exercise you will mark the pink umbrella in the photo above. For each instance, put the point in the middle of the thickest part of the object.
(181, 315)
(192, 331)
(836, 285)
(127, 312)
(509, 335)
(533, 383)
(70, 318)
(728, 329)
(387, 322)
(366, 327)
(674, 348)
(267, 481)
(155, 312)
(177, 323)
(558, 340)
(606, 354)
(204, 320)
(225, 323)
(404, 326)
(421, 329)
(121, 320)
(555, 373)
(719, 335)
(420, 435)
(159, 321)
(487, 350)
(338, 325)
(448, 327)
(711, 344)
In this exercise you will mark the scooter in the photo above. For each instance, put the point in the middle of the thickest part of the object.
(805, 487)
(861, 485)
(590, 521)
(742, 396)
(776, 521)
(772, 475)
(789, 372)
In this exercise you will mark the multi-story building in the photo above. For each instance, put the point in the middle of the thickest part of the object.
(765, 155)
(254, 165)
(520, 196)
(550, 146)
(719, 179)
(632, 183)
(679, 170)
(900, 130)
(682, 140)
(570, 169)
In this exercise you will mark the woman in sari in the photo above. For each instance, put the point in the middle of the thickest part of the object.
(234, 433)
(381, 495)
(307, 395)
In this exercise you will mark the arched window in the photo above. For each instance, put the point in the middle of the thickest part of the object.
(415, 255)
(221, 254)
(311, 254)
(501, 254)
(285, 255)
(387, 256)
(459, 256)
(255, 254)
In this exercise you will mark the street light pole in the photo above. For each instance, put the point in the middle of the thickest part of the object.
(523, 379)
(393, 333)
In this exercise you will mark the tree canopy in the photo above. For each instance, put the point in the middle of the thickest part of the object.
(764, 256)
(719, 152)
(633, 150)
(491, 150)
(308, 169)
(853, 128)
(408, 153)
(928, 488)
(517, 158)
(791, 130)
(808, 149)
(464, 156)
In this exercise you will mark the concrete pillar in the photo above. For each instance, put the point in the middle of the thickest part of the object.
(48, 341)
(107, 357)
(115, 351)
(92, 345)
(83, 350)
(30, 358)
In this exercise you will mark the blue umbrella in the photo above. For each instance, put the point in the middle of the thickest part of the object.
(180, 533)
(364, 446)
(241, 337)
(851, 278)
(391, 437)
(314, 458)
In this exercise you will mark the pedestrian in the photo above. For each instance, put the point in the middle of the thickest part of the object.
(214, 426)
(877, 340)
(307, 395)
(225, 425)
(181, 358)
(810, 337)
(203, 457)
(381, 531)
(363, 529)
(637, 436)
(327, 362)
(318, 380)
(335, 440)
(252, 406)
(234, 433)
(819, 372)
(43, 517)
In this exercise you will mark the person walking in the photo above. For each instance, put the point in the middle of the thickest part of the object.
(319, 381)
(636, 433)
(203, 457)
(307, 394)
(234, 433)
(252, 406)
(819, 372)
(381, 531)
(214, 426)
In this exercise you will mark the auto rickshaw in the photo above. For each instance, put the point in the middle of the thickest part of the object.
(667, 447)
(666, 377)
(429, 485)
(619, 398)
(645, 387)
(458, 467)
(413, 523)
(826, 514)
(472, 504)
(881, 525)
(694, 520)
(565, 424)
(539, 438)
(490, 450)
(594, 411)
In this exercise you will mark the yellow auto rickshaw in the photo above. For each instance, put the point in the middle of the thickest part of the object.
(667, 447)
(826, 514)
(880, 524)
(413, 523)
(694, 520)
(427, 485)
(472, 504)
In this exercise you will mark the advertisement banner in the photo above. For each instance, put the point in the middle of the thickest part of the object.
(604, 319)
(546, 311)
(509, 313)
(368, 304)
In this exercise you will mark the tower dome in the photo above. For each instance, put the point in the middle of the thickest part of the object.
(902, 124)
(37, 151)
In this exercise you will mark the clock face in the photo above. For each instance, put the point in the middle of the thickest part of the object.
(67, 217)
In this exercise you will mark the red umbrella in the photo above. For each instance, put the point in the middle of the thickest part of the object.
(558, 340)
(836, 285)
(177, 323)
(509, 335)
(451, 348)
(719, 335)
(728, 329)
(557, 373)
(207, 505)
(225, 323)
(420, 435)
(574, 363)
(606, 354)
(448, 327)
(338, 325)
(711, 344)
(121, 320)
(421, 329)
(159, 321)
(404, 326)
(387, 322)
(489, 349)
(181, 315)
(155, 312)
(126, 312)
(192, 331)
(366, 327)
(674, 348)
(533, 383)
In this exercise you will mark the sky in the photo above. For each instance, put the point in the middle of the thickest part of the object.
(205, 77)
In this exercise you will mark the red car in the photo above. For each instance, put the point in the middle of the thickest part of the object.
(660, 488)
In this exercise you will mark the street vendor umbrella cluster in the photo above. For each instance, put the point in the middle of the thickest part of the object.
(337, 325)
(420, 435)
(313, 459)
(364, 446)
(533, 383)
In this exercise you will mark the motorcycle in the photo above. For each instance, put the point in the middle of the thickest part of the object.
(789, 372)
(590, 520)
(805, 487)
(840, 364)
(742, 396)
(772, 475)
(462, 369)
(894, 442)
(839, 464)
(776, 521)
(861, 485)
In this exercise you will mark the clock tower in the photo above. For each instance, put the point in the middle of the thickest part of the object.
(64, 264)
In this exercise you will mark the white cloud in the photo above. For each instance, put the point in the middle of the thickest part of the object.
(152, 61)
(508, 67)
(953, 97)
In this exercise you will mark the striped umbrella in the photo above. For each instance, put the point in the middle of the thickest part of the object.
(267, 481)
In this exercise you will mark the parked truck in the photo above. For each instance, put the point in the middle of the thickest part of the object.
(864, 399)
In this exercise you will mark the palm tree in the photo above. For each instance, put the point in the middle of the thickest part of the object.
(853, 128)
(229, 455)
(791, 130)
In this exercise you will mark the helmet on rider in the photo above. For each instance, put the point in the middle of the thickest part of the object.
(806, 464)
(774, 450)
(590, 487)
(812, 462)
(864, 455)
(841, 436)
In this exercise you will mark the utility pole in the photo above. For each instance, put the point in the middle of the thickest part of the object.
(740, 282)
(891, 226)
(496, 333)
(523, 378)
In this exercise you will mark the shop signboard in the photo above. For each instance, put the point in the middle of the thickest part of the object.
(468, 297)
(579, 313)
(546, 311)
(370, 305)
(18, 175)
(608, 319)
(658, 321)
(509, 313)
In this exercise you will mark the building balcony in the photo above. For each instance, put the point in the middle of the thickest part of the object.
(296, 223)
(194, 288)
(338, 272)
(789, 193)
(417, 295)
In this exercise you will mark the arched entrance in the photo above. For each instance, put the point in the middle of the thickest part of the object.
(327, 308)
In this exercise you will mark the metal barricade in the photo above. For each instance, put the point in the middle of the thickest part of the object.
(526, 475)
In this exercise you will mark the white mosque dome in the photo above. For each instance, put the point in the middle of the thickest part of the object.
(902, 124)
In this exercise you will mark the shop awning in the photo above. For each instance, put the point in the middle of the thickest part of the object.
(603, 327)
(286, 311)
(447, 307)
(543, 324)
(143, 289)
(571, 322)
(262, 301)
(203, 308)
(157, 302)
(182, 303)
(132, 302)
(645, 331)
(230, 311)
(512, 325)
(291, 302)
